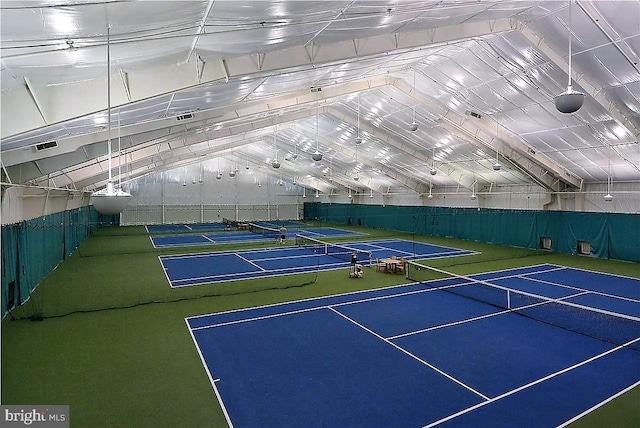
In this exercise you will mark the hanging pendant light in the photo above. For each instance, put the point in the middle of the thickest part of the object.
(569, 101)
(473, 191)
(497, 166)
(609, 197)
(358, 138)
(413, 126)
(371, 194)
(430, 195)
(433, 170)
(276, 163)
(317, 194)
(317, 156)
(110, 200)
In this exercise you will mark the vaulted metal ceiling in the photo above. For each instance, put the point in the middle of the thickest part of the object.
(251, 80)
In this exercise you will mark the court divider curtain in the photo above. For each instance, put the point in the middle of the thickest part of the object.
(32, 249)
(610, 235)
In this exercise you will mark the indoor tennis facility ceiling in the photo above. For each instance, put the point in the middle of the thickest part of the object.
(252, 81)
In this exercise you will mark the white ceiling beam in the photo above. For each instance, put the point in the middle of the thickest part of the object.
(406, 181)
(449, 170)
(64, 102)
(482, 134)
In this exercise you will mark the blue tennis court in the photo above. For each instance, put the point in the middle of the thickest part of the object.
(203, 268)
(236, 237)
(419, 356)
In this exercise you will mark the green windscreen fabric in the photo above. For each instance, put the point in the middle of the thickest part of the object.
(614, 236)
(32, 248)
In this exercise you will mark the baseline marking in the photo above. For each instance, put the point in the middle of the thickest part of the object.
(415, 357)
(529, 385)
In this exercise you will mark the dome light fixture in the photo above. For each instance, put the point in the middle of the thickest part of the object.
(609, 197)
(569, 101)
(433, 170)
(358, 138)
(219, 176)
(276, 163)
(317, 156)
(110, 200)
(413, 126)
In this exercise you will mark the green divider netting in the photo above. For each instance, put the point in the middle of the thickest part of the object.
(610, 235)
(31, 249)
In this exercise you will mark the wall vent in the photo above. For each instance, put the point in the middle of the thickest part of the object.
(473, 114)
(47, 145)
(185, 116)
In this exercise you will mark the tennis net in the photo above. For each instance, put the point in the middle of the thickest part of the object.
(338, 251)
(264, 231)
(618, 329)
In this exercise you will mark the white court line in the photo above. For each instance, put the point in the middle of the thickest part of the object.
(613, 397)
(529, 385)
(207, 238)
(211, 379)
(415, 357)
(369, 299)
(263, 317)
(188, 227)
(555, 284)
(250, 262)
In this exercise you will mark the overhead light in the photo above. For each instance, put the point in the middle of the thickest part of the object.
(276, 163)
(317, 156)
(413, 126)
(110, 200)
(433, 170)
(430, 196)
(608, 197)
(371, 194)
(358, 138)
(193, 181)
(232, 173)
(219, 176)
(356, 178)
(569, 101)
(497, 166)
(473, 196)
(317, 194)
